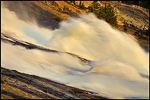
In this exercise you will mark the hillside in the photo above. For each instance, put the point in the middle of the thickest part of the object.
(49, 14)
(16, 85)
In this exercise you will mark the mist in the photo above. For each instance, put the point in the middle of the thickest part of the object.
(23, 30)
(95, 39)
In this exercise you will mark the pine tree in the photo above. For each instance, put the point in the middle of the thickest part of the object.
(64, 9)
(80, 4)
(107, 13)
(74, 3)
(125, 25)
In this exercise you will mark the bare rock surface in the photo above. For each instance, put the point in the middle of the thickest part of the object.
(16, 85)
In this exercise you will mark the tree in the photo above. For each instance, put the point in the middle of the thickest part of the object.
(146, 32)
(81, 5)
(125, 25)
(74, 3)
(144, 4)
(96, 5)
(64, 9)
(107, 13)
(71, 1)
(110, 15)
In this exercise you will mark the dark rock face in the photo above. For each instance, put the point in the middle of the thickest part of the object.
(27, 45)
(26, 10)
(16, 85)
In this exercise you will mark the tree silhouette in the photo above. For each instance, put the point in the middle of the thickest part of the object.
(107, 12)
(125, 25)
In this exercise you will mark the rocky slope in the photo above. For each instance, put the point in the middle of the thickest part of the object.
(46, 13)
(16, 85)
(50, 13)
(135, 15)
